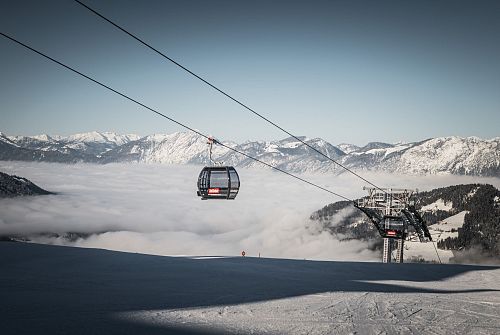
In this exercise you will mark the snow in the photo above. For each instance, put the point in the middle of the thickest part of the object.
(415, 250)
(8, 140)
(290, 145)
(451, 154)
(76, 146)
(377, 151)
(121, 139)
(397, 148)
(439, 231)
(43, 138)
(20, 179)
(178, 148)
(93, 136)
(135, 149)
(472, 193)
(348, 148)
(438, 205)
(98, 137)
(452, 223)
(157, 137)
(386, 151)
(272, 148)
(51, 289)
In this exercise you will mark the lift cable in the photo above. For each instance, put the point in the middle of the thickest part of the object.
(228, 95)
(434, 245)
(169, 118)
(437, 254)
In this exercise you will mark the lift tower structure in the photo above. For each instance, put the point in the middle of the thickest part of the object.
(386, 208)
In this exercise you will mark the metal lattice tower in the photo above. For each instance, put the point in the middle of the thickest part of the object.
(389, 201)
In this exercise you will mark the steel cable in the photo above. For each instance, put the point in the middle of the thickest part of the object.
(167, 117)
(227, 95)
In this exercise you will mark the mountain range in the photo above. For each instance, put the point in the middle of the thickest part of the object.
(442, 155)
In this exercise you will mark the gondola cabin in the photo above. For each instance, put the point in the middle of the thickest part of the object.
(393, 227)
(218, 182)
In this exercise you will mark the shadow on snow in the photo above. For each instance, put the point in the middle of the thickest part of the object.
(49, 289)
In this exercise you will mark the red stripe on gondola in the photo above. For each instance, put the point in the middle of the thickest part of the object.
(213, 190)
(391, 233)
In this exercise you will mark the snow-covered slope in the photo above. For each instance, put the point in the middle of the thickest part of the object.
(176, 148)
(62, 290)
(440, 231)
(456, 155)
(7, 140)
(444, 155)
(348, 148)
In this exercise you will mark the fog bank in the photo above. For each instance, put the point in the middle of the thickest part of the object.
(154, 209)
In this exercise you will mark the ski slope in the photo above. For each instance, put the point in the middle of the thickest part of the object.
(439, 231)
(65, 290)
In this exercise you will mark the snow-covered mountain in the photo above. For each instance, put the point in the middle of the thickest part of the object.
(97, 137)
(92, 143)
(176, 148)
(288, 154)
(456, 155)
(41, 148)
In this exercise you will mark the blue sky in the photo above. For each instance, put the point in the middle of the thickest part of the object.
(345, 71)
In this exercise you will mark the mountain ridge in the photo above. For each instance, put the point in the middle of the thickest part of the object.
(13, 186)
(441, 155)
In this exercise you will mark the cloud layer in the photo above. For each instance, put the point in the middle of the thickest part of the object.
(154, 209)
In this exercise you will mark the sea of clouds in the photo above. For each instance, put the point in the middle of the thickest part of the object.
(154, 209)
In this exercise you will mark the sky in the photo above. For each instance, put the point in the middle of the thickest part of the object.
(345, 71)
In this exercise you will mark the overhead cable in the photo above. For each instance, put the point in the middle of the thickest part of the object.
(167, 117)
(226, 94)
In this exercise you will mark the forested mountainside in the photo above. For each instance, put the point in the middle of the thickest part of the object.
(479, 204)
(12, 186)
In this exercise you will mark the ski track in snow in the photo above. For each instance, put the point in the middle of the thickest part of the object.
(66, 290)
(351, 312)
(342, 313)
